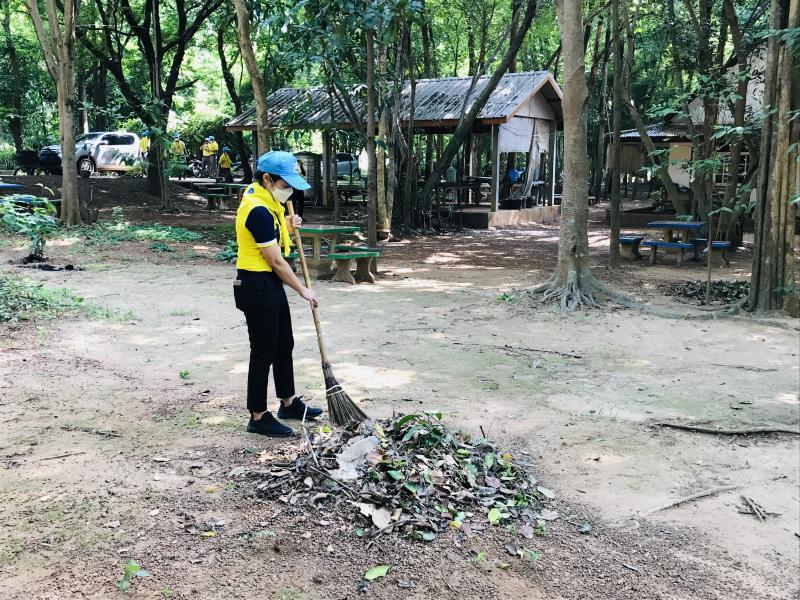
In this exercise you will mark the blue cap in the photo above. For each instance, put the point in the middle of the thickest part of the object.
(145, 133)
(283, 165)
(226, 149)
(177, 136)
(211, 137)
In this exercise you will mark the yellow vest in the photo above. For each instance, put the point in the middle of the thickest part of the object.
(144, 144)
(249, 256)
(225, 161)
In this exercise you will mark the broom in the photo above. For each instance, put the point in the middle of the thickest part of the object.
(341, 408)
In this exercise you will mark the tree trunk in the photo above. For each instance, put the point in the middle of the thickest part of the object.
(256, 79)
(772, 284)
(84, 108)
(466, 122)
(58, 51)
(739, 110)
(230, 85)
(372, 163)
(100, 97)
(384, 218)
(15, 118)
(616, 142)
(662, 166)
(573, 281)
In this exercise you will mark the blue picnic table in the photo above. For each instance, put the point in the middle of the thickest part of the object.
(10, 186)
(668, 227)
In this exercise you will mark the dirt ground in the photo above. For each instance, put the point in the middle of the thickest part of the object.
(107, 453)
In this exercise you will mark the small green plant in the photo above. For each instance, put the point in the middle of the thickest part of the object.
(541, 528)
(192, 421)
(506, 297)
(530, 556)
(37, 223)
(183, 374)
(229, 253)
(129, 572)
(167, 593)
(161, 247)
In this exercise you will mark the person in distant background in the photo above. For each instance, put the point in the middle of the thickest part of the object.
(209, 150)
(299, 196)
(225, 164)
(513, 175)
(178, 150)
(144, 144)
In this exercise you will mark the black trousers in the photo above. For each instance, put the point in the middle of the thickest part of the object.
(269, 326)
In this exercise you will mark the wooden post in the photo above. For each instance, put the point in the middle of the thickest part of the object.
(552, 149)
(495, 193)
(474, 167)
(326, 166)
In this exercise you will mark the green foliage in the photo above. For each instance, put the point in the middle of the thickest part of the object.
(229, 253)
(131, 571)
(37, 223)
(120, 230)
(23, 300)
(183, 374)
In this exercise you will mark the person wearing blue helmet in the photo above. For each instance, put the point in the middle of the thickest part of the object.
(262, 233)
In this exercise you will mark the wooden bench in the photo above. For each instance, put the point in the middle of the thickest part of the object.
(629, 246)
(678, 247)
(363, 263)
(719, 249)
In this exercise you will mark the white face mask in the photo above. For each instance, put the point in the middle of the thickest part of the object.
(282, 195)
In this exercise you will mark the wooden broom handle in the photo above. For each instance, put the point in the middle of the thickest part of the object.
(299, 241)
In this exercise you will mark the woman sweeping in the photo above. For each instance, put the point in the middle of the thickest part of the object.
(263, 237)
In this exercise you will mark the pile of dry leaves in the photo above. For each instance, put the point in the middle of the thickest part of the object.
(410, 474)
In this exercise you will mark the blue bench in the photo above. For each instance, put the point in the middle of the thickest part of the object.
(678, 247)
(629, 246)
(718, 249)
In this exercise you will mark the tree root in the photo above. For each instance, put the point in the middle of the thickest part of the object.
(742, 431)
(573, 295)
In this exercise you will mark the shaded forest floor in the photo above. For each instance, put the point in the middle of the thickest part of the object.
(442, 329)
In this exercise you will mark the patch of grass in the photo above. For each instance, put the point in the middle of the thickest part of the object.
(23, 300)
(183, 374)
(192, 421)
(161, 247)
(177, 312)
(221, 232)
(120, 230)
(104, 313)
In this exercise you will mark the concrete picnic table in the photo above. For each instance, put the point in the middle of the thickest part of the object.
(318, 265)
(236, 190)
(685, 227)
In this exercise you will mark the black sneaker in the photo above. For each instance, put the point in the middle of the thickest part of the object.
(267, 425)
(296, 409)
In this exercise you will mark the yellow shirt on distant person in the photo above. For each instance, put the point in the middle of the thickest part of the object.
(210, 148)
(225, 161)
(178, 148)
(144, 144)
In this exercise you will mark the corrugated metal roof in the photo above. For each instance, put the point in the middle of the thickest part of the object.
(663, 131)
(436, 100)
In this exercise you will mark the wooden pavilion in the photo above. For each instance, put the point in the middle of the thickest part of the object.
(522, 115)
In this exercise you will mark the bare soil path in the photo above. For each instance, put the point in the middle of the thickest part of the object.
(107, 453)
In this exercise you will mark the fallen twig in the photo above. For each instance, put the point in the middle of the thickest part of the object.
(93, 430)
(631, 567)
(744, 368)
(722, 431)
(305, 435)
(355, 495)
(755, 508)
(697, 496)
(65, 455)
(518, 349)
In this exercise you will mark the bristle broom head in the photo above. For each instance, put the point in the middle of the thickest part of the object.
(341, 408)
